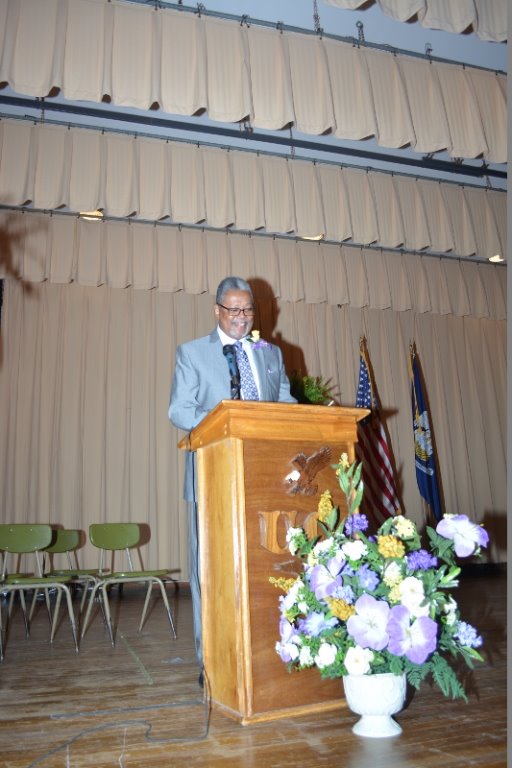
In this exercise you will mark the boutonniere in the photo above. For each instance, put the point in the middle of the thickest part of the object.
(256, 341)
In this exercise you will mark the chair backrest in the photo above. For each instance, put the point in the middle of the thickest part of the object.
(114, 537)
(63, 540)
(22, 539)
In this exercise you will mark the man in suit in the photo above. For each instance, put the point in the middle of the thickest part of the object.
(211, 369)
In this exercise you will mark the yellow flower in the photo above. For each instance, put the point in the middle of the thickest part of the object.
(343, 465)
(255, 335)
(325, 506)
(394, 595)
(282, 583)
(390, 546)
(340, 608)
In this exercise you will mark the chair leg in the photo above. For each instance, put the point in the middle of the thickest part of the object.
(108, 617)
(1, 635)
(85, 586)
(146, 604)
(156, 580)
(167, 607)
(166, 603)
(92, 597)
(26, 618)
(56, 610)
(47, 601)
(71, 614)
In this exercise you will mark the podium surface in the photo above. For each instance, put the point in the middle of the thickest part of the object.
(262, 468)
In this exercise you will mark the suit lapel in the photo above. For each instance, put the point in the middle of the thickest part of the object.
(263, 362)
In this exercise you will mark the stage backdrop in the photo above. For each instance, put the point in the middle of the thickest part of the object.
(86, 365)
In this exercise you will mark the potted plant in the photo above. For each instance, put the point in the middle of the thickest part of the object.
(311, 390)
(374, 606)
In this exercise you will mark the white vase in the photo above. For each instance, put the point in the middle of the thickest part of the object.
(375, 698)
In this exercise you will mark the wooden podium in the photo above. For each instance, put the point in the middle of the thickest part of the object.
(262, 467)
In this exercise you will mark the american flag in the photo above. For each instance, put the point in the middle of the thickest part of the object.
(380, 499)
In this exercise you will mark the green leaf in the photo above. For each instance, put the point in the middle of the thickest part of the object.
(356, 501)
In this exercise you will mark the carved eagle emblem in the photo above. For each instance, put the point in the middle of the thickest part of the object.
(306, 469)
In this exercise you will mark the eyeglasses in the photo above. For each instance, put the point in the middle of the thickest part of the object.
(235, 311)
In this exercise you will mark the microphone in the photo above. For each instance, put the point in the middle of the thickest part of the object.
(230, 355)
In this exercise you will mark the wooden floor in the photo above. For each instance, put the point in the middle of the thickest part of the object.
(139, 704)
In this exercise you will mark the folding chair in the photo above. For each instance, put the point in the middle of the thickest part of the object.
(66, 542)
(24, 539)
(121, 537)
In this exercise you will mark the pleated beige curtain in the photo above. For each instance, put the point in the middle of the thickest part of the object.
(52, 166)
(84, 387)
(487, 19)
(140, 57)
(120, 254)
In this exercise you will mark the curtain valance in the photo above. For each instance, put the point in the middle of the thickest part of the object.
(187, 63)
(487, 19)
(51, 166)
(64, 249)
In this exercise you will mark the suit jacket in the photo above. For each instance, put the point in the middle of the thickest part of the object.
(201, 380)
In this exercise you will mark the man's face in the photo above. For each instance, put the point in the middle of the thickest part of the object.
(239, 326)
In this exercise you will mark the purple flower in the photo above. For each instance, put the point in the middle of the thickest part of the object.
(421, 560)
(261, 344)
(315, 623)
(414, 638)
(288, 647)
(354, 523)
(324, 579)
(344, 593)
(467, 635)
(466, 536)
(368, 625)
(367, 578)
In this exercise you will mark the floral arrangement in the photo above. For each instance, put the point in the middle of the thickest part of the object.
(256, 341)
(365, 605)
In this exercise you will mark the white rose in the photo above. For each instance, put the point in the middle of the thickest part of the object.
(322, 546)
(354, 550)
(451, 610)
(358, 660)
(326, 655)
(306, 657)
(291, 533)
(404, 528)
(289, 599)
(392, 574)
(289, 648)
(412, 595)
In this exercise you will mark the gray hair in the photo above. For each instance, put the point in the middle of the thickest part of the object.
(231, 284)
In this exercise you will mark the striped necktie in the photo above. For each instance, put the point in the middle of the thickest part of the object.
(248, 385)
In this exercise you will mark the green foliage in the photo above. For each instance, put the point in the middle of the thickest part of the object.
(311, 390)
(445, 677)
